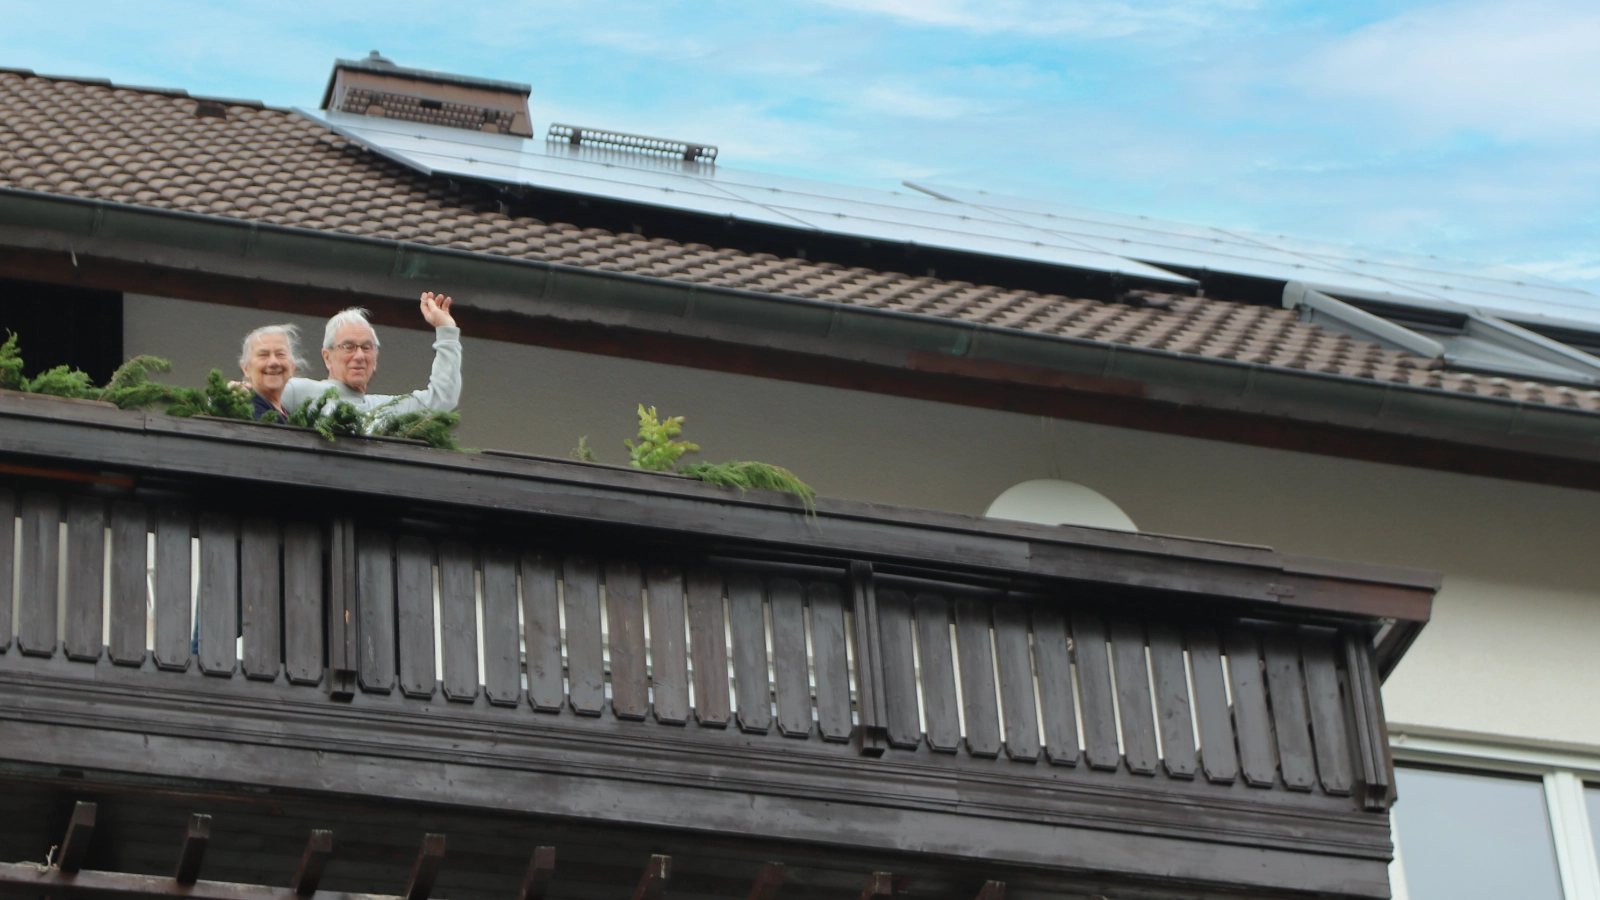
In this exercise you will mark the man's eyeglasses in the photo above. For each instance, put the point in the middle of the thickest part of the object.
(352, 346)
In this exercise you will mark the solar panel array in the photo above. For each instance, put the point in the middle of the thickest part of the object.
(970, 221)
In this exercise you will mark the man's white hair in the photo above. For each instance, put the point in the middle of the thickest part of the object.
(290, 334)
(355, 315)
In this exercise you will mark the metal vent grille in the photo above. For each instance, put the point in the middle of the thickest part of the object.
(366, 101)
(596, 137)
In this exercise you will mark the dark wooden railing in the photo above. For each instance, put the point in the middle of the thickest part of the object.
(1121, 681)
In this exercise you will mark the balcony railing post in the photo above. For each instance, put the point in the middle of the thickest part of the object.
(869, 665)
(343, 616)
(1374, 760)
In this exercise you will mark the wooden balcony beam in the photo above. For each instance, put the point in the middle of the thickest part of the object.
(75, 844)
(34, 880)
(880, 886)
(768, 881)
(193, 853)
(318, 851)
(541, 870)
(426, 869)
(654, 880)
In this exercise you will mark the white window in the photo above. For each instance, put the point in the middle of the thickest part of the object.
(1480, 820)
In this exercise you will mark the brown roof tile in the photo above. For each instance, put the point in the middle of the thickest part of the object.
(148, 148)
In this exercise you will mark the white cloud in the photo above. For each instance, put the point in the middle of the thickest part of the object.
(1054, 17)
(1513, 70)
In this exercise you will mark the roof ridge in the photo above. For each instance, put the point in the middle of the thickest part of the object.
(175, 93)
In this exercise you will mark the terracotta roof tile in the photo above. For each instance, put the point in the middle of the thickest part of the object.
(148, 148)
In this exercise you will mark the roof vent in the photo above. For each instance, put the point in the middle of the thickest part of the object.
(616, 140)
(375, 86)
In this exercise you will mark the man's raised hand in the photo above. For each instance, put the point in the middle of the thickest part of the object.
(436, 309)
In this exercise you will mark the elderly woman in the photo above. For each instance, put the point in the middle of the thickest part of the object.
(269, 358)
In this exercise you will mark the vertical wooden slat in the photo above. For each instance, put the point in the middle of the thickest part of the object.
(37, 583)
(871, 711)
(1217, 755)
(669, 656)
(1052, 658)
(1172, 700)
(260, 597)
(1094, 691)
(541, 621)
(830, 664)
(747, 623)
(174, 529)
(1328, 732)
(375, 608)
(341, 606)
(1371, 730)
(977, 677)
(787, 601)
(458, 614)
(86, 560)
(586, 676)
(899, 669)
(938, 673)
(1289, 719)
(630, 680)
(218, 603)
(1015, 664)
(502, 669)
(303, 621)
(1250, 718)
(8, 562)
(1133, 696)
(709, 647)
(413, 583)
(130, 591)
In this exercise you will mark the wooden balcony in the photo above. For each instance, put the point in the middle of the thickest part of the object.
(243, 608)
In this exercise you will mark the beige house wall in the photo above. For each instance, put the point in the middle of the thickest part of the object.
(1512, 649)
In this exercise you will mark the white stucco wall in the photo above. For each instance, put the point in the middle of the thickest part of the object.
(1514, 647)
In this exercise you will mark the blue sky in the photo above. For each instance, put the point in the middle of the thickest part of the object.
(1461, 129)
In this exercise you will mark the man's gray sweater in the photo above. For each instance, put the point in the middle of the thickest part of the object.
(441, 395)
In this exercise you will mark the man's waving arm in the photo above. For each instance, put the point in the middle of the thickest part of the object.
(444, 385)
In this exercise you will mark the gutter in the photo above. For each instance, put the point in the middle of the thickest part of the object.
(376, 265)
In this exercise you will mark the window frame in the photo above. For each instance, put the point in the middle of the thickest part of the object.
(1564, 775)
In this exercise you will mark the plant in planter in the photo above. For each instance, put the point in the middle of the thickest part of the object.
(330, 417)
(658, 452)
(130, 387)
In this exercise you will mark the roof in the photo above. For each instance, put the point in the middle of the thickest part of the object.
(95, 140)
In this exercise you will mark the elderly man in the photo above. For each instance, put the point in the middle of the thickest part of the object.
(350, 351)
(268, 358)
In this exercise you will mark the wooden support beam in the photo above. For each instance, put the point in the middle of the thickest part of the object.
(427, 867)
(879, 886)
(654, 880)
(75, 843)
(318, 850)
(993, 890)
(541, 869)
(768, 882)
(194, 849)
(32, 880)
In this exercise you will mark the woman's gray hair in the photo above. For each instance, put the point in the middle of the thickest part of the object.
(355, 315)
(290, 333)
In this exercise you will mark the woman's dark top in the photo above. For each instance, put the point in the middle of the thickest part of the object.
(260, 406)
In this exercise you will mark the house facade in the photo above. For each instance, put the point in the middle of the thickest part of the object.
(1228, 404)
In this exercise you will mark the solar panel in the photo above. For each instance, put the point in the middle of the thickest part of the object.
(1494, 289)
(965, 220)
(901, 217)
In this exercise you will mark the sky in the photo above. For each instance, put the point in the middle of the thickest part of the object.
(1458, 129)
